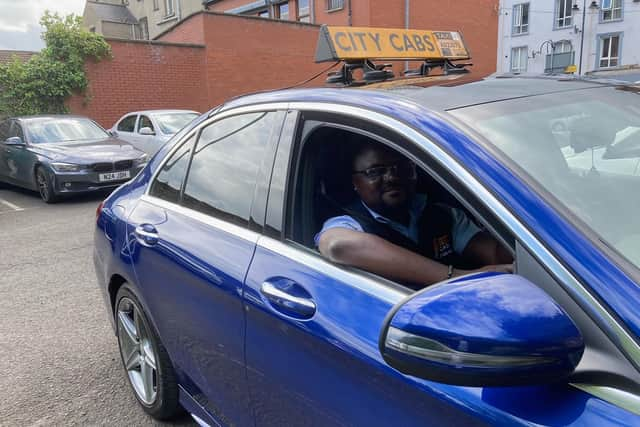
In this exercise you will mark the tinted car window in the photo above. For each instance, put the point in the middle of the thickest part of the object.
(4, 130)
(225, 164)
(145, 122)
(169, 181)
(127, 124)
(16, 130)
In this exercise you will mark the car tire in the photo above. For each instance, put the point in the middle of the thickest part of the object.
(45, 186)
(144, 358)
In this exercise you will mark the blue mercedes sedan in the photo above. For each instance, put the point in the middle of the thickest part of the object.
(227, 305)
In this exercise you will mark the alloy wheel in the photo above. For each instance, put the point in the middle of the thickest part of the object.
(43, 185)
(137, 351)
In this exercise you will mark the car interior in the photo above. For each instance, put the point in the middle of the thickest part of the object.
(324, 181)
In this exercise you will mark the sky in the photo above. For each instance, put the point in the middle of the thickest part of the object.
(19, 27)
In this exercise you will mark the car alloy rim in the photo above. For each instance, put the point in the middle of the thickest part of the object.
(42, 185)
(137, 352)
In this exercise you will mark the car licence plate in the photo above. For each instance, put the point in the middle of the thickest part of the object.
(114, 176)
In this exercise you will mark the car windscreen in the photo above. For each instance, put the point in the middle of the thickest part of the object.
(171, 123)
(66, 129)
(581, 146)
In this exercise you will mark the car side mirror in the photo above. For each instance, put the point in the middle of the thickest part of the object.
(146, 131)
(486, 329)
(112, 133)
(15, 141)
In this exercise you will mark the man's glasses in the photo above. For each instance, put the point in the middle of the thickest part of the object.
(400, 170)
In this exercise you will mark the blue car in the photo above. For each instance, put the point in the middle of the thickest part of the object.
(224, 307)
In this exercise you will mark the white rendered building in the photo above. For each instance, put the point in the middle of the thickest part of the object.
(538, 36)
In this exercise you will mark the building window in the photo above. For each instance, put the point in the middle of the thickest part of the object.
(563, 14)
(282, 11)
(520, 18)
(611, 10)
(143, 29)
(609, 51)
(263, 13)
(156, 5)
(519, 59)
(335, 4)
(303, 11)
(169, 9)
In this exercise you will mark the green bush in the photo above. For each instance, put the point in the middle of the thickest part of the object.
(42, 84)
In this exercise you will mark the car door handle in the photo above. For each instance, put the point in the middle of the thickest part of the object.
(146, 234)
(285, 302)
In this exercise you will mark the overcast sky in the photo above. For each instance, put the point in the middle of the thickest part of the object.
(19, 27)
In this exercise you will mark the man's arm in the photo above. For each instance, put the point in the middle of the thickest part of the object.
(484, 249)
(372, 253)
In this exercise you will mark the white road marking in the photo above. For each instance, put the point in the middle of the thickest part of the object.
(11, 205)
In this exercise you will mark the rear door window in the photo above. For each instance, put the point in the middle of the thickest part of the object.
(127, 124)
(225, 164)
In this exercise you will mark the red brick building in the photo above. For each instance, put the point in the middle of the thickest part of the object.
(243, 46)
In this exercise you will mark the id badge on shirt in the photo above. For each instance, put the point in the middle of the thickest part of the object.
(442, 247)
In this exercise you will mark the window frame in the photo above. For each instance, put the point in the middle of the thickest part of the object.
(599, 45)
(557, 16)
(518, 11)
(156, 5)
(169, 8)
(277, 9)
(612, 10)
(334, 5)
(526, 63)
(303, 17)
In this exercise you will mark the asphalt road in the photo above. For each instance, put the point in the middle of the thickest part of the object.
(59, 360)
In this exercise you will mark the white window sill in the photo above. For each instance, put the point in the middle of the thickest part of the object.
(337, 9)
(166, 19)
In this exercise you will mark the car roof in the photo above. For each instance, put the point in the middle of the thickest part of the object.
(439, 98)
(48, 116)
(152, 112)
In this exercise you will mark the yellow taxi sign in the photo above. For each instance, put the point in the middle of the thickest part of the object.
(358, 43)
(570, 69)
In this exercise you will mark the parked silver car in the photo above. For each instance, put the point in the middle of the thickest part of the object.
(149, 130)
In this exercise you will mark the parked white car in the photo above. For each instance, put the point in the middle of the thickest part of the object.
(149, 130)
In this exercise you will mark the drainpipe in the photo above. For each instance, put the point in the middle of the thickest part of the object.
(584, 16)
(312, 5)
(407, 9)
(349, 19)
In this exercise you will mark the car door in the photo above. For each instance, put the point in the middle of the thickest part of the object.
(4, 134)
(147, 143)
(19, 160)
(312, 335)
(191, 250)
(126, 128)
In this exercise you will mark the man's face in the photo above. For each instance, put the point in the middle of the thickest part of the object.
(383, 179)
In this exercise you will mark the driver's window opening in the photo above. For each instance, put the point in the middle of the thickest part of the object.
(342, 173)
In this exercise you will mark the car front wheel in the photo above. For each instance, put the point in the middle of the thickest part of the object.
(148, 367)
(45, 186)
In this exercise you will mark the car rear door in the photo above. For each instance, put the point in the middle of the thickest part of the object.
(312, 333)
(191, 249)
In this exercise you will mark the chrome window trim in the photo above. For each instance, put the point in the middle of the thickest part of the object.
(571, 285)
(390, 294)
(214, 118)
(234, 230)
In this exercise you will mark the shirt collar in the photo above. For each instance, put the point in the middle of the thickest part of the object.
(418, 202)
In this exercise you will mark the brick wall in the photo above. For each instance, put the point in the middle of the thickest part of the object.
(143, 75)
(191, 30)
(246, 54)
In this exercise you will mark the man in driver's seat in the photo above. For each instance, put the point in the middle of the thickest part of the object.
(392, 231)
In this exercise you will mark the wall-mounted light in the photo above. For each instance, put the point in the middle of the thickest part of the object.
(593, 5)
(575, 7)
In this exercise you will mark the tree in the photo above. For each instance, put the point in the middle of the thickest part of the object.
(42, 84)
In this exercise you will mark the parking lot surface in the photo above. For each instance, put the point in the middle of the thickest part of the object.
(59, 360)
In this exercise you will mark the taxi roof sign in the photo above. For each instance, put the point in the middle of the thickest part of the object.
(360, 43)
